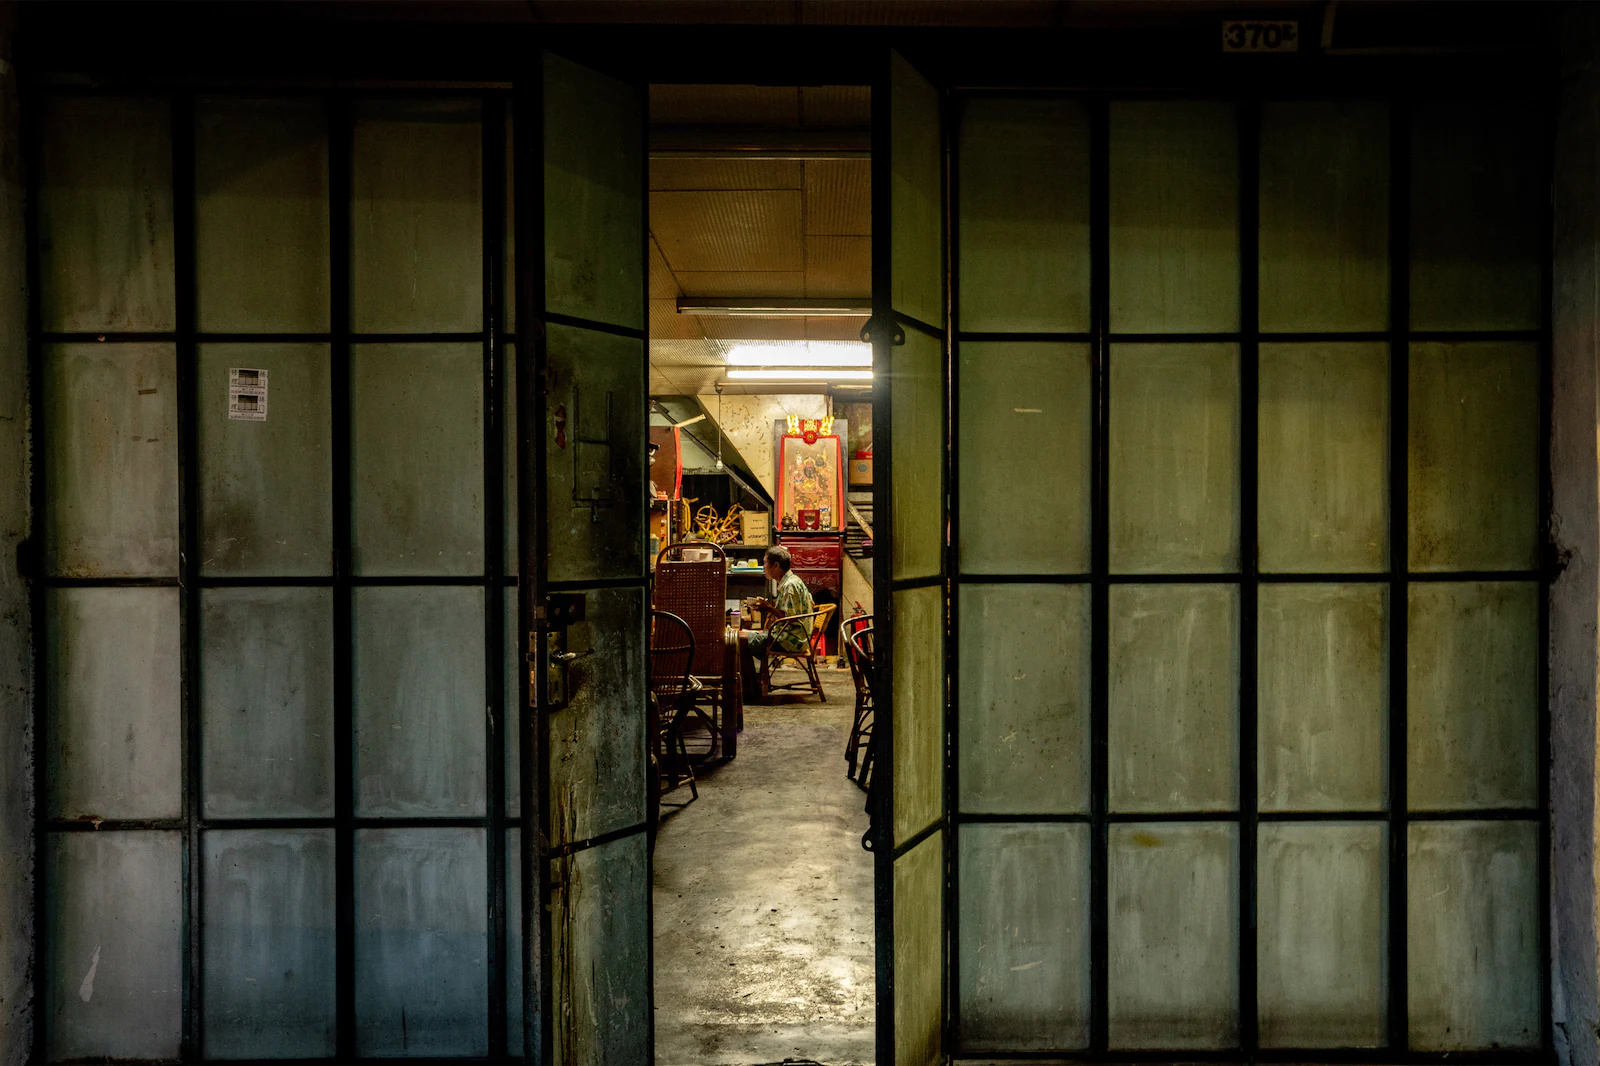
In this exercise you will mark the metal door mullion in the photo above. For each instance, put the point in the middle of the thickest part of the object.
(1100, 568)
(950, 133)
(1249, 127)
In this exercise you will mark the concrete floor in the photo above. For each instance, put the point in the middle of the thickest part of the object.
(763, 899)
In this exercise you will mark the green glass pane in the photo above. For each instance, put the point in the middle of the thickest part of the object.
(1321, 975)
(421, 940)
(597, 742)
(919, 699)
(1173, 935)
(1474, 456)
(105, 214)
(1026, 425)
(267, 702)
(269, 944)
(1024, 698)
(266, 490)
(514, 940)
(1174, 697)
(516, 668)
(113, 988)
(1472, 935)
(1323, 458)
(1174, 217)
(110, 442)
(114, 703)
(919, 954)
(1174, 462)
(1024, 929)
(594, 213)
(1324, 249)
(1024, 215)
(601, 925)
(417, 458)
(1321, 691)
(1472, 719)
(261, 214)
(595, 454)
(916, 397)
(508, 423)
(419, 701)
(416, 233)
(916, 195)
(1478, 195)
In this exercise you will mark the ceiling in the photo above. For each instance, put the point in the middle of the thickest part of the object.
(736, 226)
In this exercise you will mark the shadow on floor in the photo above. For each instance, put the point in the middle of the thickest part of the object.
(763, 900)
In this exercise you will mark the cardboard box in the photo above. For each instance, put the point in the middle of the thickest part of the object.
(861, 471)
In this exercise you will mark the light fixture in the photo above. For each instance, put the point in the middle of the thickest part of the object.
(775, 307)
(799, 373)
(719, 425)
(809, 353)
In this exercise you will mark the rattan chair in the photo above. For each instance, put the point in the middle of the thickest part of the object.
(697, 591)
(806, 659)
(672, 698)
(855, 636)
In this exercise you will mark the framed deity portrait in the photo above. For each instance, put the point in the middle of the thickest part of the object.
(811, 476)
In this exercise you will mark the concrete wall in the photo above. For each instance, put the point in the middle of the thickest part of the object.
(1575, 529)
(747, 422)
(16, 703)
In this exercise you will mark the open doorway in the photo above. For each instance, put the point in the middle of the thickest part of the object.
(761, 434)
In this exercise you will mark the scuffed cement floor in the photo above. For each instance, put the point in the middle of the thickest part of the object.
(763, 899)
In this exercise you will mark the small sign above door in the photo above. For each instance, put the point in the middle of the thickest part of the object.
(1250, 35)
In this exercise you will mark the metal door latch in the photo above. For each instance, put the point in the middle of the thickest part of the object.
(551, 620)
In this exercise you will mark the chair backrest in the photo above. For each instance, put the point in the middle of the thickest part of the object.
(824, 612)
(697, 592)
(848, 629)
(671, 657)
(859, 643)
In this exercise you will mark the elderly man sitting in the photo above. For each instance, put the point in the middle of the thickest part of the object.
(792, 598)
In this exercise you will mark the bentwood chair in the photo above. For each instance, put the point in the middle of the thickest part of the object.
(672, 698)
(859, 748)
(806, 659)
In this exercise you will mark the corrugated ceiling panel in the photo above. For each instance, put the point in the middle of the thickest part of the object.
(836, 106)
(681, 353)
(663, 286)
(834, 329)
(838, 266)
(754, 329)
(742, 282)
(667, 324)
(728, 230)
(839, 197)
(737, 105)
(724, 174)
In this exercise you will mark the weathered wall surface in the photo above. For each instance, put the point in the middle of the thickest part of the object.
(16, 749)
(1575, 597)
(747, 422)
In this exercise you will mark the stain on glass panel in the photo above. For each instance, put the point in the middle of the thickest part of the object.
(1026, 421)
(105, 214)
(1024, 215)
(111, 456)
(916, 395)
(421, 966)
(1324, 249)
(916, 194)
(1321, 973)
(1474, 456)
(1174, 697)
(419, 701)
(1024, 928)
(115, 988)
(1323, 458)
(918, 710)
(417, 458)
(597, 742)
(114, 703)
(1322, 678)
(269, 944)
(1472, 719)
(595, 454)
(601, 925)
(266, 493)
(1477, 200)
(1472, 935)
(261, 214)
(417, 220)
(1174, 462)
(267, 702)
(1173, 935)
(594, 215)
(1174, 217)
(1024, 699)
(919, 954)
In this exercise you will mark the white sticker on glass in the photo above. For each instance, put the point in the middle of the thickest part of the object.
(247, 394)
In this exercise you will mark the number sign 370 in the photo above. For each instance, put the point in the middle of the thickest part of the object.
(1246, 36)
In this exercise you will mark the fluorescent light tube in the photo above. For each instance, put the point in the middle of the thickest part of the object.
(801, 373)
(816, 353)
(775, 307)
